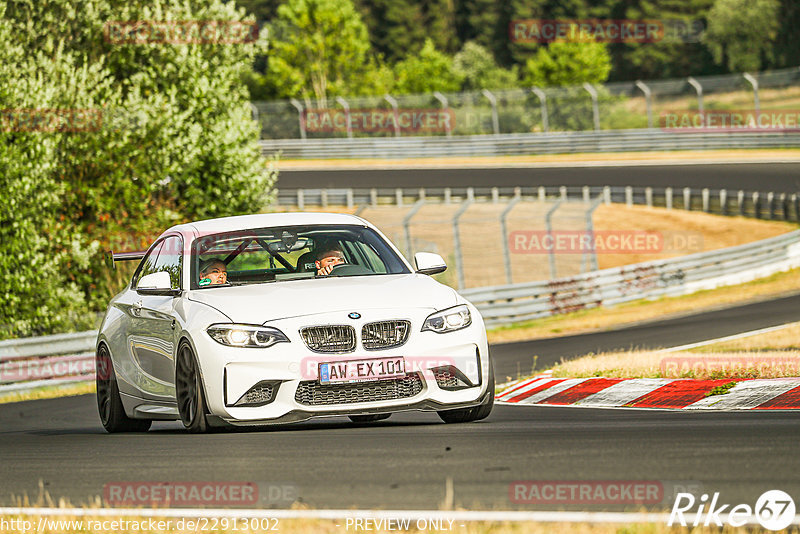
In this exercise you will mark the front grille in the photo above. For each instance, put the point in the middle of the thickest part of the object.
(311, 393)
(329, 338)
(384, 334)
(259, 395)
(450, 378)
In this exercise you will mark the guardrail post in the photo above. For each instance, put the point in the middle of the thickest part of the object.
(770, 205)
(301, 201)
(723, 201)
(493, 101)
(606, 194)
(796, 204)
(628, 196)
(323, 198)
(392, 102)
(668, 197)
(784, 207)
(398, 196)
(699, 88)
(407, 227)
(648, 97)
(756, 207)
(705, 200)
(754, 84)
(342, 102)
(586, 198)
(562, 191)
(542, 194)
(595, 106)
(648, 196)
(373, 197)
(504, 232)
(687, 198)
(495, 195)
(443, 101)
(457, 243)
(740, 201)
(349, 198)
(518, 192)
(447, 195)
(299, 107)
(543, 106)
(471, 194)
(551, 255)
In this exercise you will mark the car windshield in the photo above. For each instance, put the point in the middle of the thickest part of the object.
(263, 255)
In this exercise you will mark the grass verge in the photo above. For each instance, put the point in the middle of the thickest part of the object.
(48, 392)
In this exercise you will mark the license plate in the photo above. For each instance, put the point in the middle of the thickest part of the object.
(361, 370)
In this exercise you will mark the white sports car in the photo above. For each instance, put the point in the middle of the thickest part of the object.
(274, 318)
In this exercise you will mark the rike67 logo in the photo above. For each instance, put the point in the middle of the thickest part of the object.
(774, 510)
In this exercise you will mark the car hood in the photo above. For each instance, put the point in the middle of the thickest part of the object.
(261, 303)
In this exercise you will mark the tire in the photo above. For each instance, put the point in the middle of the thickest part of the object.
(475, 413)
(189, 391)
(370, 418)
(109, 403)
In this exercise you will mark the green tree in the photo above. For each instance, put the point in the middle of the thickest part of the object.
(428, 71)
(741, 33)
(569, 62)
(478, 69)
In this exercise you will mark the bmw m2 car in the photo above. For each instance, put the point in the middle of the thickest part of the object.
(275, 318)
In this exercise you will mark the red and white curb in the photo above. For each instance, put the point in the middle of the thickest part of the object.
(664, 393)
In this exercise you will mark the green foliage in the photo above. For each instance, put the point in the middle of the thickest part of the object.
(568, 63)
(478, 70)
(741, 32)
(170, 138)
(428, 71)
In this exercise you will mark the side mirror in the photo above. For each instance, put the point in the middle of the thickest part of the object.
(429, 263)
(156, 284)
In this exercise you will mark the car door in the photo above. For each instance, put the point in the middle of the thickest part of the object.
(153, 333)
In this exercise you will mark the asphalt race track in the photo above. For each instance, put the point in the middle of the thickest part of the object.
(403, 463)
(776, 177)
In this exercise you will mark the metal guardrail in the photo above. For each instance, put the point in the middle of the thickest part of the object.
(522, 144)
(501, 305)
(60, 359)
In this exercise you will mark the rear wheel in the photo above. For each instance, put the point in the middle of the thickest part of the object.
(109, 403)
(370, 418)
(189, 391)
(476, 413)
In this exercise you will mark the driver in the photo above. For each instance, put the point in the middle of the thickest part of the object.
(327, 259)
(213, 272)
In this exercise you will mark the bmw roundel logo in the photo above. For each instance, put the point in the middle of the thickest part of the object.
(354, 315)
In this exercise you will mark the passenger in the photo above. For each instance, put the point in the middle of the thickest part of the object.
(213, 272)
(327, 259)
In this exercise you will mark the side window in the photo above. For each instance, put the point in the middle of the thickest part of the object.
(169, 260)
(148, 264)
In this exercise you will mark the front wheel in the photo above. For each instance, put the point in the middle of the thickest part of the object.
(189, 391)
(475, 413)
(109, 403)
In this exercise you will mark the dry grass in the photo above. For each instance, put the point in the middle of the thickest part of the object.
(49, 392)
(702, 366)
(606, 318)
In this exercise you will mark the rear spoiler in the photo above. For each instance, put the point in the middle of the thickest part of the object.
(125, 256)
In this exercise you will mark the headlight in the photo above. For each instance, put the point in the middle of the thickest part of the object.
(448, 320)
(244, 335)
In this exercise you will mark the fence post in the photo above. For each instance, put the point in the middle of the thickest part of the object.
(421, 194)
(542, 194)
(606, 194)
(595, 107)
(687, 198)
(457, 243)
(447, 195)
(471, 194)
(549, 228)
(668, 197)
(504, 231)
(393, 102)
(723, 201)
(443, 101)
(754, 84)
(493, 101)
(495, 195)
(543, 106)
(740, 200)
(628, 196)
(342, 102)
(562, 191)
(648, 96)
(299, 107)
(349, 198)
(699, 88)
(398, 196)
(705, 200)
(301, 200)
(373, 197)
(590, 256)
(586, 198)
(648, 196)
(518, 192)
(323, 198)
(407, 227)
